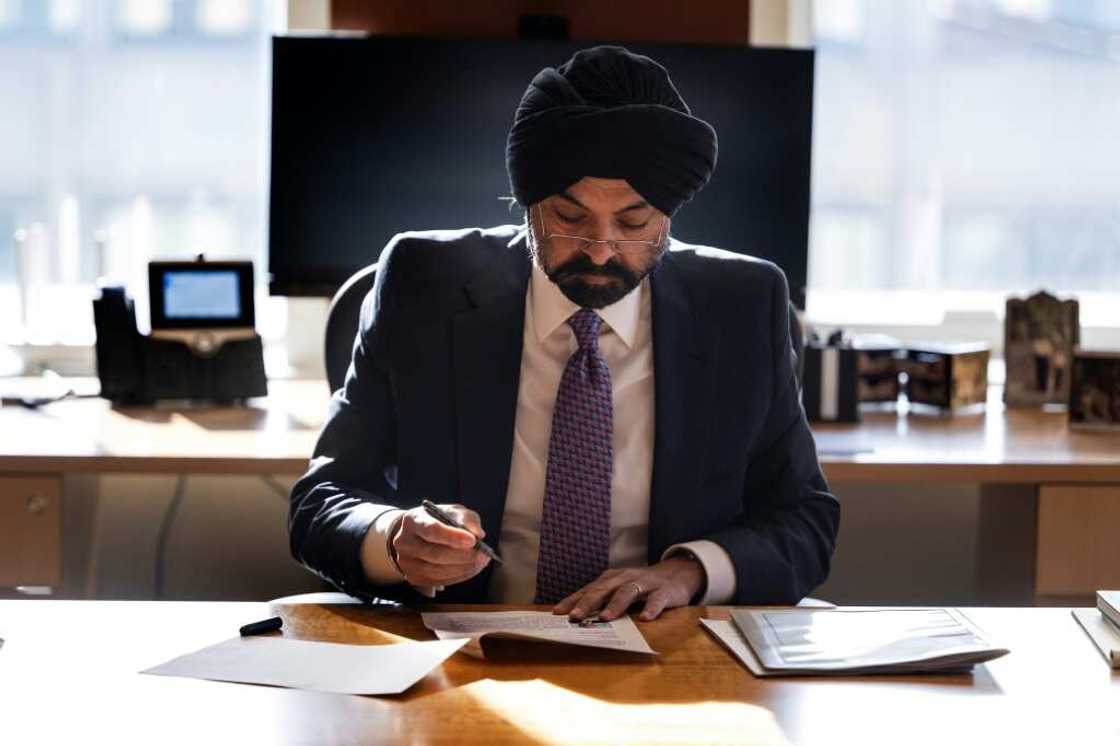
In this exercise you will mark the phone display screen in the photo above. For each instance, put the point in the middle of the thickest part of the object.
(201, 295)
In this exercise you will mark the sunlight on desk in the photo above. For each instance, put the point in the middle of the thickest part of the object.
(577, 718)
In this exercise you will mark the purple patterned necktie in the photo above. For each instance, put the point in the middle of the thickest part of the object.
(576, 520)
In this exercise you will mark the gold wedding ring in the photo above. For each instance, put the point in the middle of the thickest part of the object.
(637, 587)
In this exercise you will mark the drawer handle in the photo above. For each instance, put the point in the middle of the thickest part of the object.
(37, 503)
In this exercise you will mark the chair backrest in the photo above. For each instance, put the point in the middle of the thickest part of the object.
(342, 324)
(797, 337)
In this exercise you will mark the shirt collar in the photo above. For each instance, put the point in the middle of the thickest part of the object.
(551, 308)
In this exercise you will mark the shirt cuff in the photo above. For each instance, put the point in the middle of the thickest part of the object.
(718, 568)
(379, 568)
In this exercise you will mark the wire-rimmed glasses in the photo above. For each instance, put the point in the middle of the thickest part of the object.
(566, 242)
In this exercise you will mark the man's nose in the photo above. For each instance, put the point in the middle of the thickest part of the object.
(600, 252)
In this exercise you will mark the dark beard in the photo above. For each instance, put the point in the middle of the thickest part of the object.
(567, 278)
(621, 280)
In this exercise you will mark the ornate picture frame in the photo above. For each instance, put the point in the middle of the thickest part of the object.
(1039, 335)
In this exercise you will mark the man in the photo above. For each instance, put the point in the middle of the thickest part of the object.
(615, 411)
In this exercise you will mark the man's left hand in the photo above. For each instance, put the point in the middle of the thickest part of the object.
(671, 582)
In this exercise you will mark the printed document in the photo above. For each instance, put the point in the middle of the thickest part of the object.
(542, 626)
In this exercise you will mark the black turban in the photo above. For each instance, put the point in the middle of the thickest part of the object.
(613, 114)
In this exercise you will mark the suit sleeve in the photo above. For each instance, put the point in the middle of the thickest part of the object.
(783, 546)
(350, 482)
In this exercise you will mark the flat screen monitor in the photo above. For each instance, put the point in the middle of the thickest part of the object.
(376, 135)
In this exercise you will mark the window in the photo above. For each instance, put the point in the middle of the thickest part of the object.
(963, 150)
(132, 130)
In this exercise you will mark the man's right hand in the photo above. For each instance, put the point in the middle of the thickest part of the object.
(432, 554)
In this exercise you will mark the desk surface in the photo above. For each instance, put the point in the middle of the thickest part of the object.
(277, 434)
(271, 435)
(995, 444)
(68, 673)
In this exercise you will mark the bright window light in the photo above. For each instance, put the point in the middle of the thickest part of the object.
(114, 152)
(839, 19)
(965, 147)
(10, 13)
(224, 17)
(1038, 10)
(145, 17)
(63, 16)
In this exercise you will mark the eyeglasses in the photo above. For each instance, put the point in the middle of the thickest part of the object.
(566, 242)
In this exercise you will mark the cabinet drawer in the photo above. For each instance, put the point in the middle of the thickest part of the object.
(30, 531)
(1078, 539)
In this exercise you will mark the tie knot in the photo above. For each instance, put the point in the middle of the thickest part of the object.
(586, 324)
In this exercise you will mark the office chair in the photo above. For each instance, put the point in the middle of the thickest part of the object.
(346, 307)
(797, 337)
(342, 324)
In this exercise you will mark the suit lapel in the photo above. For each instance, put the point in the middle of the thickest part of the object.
(486, 360)
(683, 352)
(486, 368)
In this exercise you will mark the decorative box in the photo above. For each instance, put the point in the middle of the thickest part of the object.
(947, 376)
(1094, 398)
(879, 357)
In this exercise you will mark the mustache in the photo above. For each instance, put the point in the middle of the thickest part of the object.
(582, 265)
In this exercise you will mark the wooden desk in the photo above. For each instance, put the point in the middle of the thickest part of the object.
(1050, 496)
(68, 675)
(992, 446)
(1062, 516)
(275, 435)
(272, 435)
(40, 450)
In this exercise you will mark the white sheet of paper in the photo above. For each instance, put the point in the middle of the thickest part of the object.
(320, 666)
(619, 634)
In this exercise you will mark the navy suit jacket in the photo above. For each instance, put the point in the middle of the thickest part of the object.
(427, 411)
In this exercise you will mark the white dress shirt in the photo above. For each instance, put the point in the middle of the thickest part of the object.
(626, 343)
